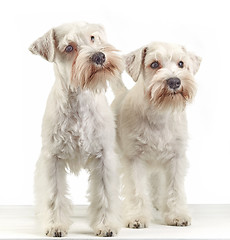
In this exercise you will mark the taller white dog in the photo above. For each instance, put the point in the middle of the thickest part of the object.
(78, 127)
(152, 131)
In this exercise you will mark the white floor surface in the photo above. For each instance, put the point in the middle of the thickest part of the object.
(208, 222)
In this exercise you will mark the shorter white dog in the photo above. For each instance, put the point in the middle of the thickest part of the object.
(78, 128)
(152, 132)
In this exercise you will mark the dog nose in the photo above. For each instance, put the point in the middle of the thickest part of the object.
(174, 83)
(98, 58)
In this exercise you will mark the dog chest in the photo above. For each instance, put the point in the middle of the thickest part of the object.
(82, 126)
(161, 138)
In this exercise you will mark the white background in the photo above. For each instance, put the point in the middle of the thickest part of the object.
(202, 26)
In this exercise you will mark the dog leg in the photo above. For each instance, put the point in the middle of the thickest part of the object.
(176, 213)
(137, 202)
(157, 183)
(103, 196)
(50, 192)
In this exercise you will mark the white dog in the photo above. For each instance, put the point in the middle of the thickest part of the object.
(78, 128)
(152, 131)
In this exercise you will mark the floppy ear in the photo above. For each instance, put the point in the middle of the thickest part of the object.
(102, 32)
(45, 46)
(195, 61)
(134, 62)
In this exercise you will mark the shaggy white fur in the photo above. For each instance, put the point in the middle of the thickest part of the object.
(78, 128)
(152, 132)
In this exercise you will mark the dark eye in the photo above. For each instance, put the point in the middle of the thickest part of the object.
(92, 38)
(69, 48)
(155, 65)
(181, 64)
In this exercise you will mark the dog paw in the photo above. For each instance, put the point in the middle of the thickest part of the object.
(105, 232)
(181, 221)
(56, 231)
(137, 224)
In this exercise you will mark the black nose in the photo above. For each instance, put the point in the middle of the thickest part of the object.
(174, 83)
(98, 58)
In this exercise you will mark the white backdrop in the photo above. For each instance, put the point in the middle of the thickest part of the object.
(202, 26)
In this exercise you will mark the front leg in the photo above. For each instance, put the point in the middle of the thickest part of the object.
(53, 207)
(176, 213)
(137, 206)
(104, 207)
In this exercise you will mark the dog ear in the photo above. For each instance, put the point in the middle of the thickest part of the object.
(45, 46)
(134, 62)
(195, 62)
(102, 32)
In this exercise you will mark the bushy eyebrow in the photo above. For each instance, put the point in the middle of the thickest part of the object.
(67, 40)
(164, 56)
(155, 56)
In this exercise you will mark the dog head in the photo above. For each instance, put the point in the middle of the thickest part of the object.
(81, 54)
(167, 71)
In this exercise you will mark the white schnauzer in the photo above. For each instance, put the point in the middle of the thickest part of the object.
(78, 128)
(152, 132)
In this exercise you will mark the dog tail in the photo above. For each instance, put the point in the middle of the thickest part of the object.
(117, 85)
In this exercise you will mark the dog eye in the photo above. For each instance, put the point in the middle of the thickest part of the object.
(155, 65)
(92, 38)
(181, 64)
(69, 48)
